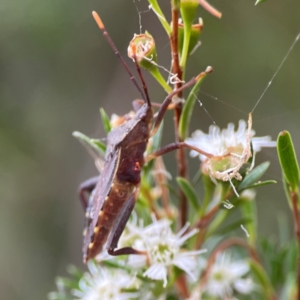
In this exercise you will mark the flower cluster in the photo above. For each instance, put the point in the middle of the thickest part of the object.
(163, 248)
(225, 278)
(230, 149)
(104, 284)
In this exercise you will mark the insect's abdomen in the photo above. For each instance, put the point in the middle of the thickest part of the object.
(112, 206)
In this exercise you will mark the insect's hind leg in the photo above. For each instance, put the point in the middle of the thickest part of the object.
(125, 251)
(118, 229)
(87, 187)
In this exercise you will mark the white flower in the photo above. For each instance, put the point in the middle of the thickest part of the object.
(105, 284)
(225, 277)
(230, 149)
(163, 248)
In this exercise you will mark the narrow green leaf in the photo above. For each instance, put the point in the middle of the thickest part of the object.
(288, 159)
(189, 192)
(209, 189)
(262, 278)
(261, 183)
(101, 146)
(154, 71)
(215, 224)
(67, 282)
(254, 176)
(287, 191)
(157, 138)
(248, 209)
(197, 177)
(96, 146)
(155, 145)
(186, 115)
(105, 120)
(232, 226)
(155, 7)
(75, 272)
(259, 1)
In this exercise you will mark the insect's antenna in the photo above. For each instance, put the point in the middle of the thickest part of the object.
(113, 46)
(133, 48)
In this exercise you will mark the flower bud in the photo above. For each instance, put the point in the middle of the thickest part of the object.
(188, 9)
(142, 48)
(196, 29)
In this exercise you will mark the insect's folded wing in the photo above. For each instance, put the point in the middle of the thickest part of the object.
(98, 196)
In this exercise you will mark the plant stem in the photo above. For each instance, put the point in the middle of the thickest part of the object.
(295, 199)
(180, 155)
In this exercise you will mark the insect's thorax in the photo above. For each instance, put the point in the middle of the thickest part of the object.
(133, 147)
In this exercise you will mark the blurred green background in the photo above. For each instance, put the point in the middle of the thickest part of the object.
(56, 70)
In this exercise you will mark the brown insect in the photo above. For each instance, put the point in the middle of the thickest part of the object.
(114, 193)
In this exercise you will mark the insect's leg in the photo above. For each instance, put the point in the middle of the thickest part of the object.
(86, 186)
(118, 229)
(175, 146)
(168, 99)
(125, 251)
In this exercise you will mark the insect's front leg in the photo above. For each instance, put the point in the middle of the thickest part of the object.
(164, 106)
(87, 187)
(175, 146)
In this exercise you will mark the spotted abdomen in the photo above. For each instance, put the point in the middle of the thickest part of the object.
(96, 236)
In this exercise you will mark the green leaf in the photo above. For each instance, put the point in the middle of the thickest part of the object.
(261, 183)
(157, 138)
(154, 71)
(155, 145)
(218, 197)
(248, 209)
(288, 159)
(105, 120)
(155, 7)
(186, 115)
(259, 1)
(286, 189)
(232, 226)
(215, 224)
(75, 272)
(67, 283)
(262, 278)
(189, 192)
(92, 145)
(209, 189)
(254, 176)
